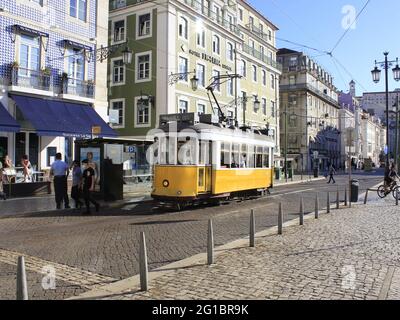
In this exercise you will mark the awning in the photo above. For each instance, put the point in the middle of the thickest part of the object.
(58, 118)
(7, 122)
(76, 45)
(19, 27)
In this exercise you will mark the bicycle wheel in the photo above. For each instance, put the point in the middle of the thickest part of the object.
(396, 192)
(381, 192)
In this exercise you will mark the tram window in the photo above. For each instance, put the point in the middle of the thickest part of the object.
(259, 157)
(205, 153)
(186, 152)
(250, 157)
(235, 156)
(225, 155)
(163, 147)
(243, 156)
(266, 157)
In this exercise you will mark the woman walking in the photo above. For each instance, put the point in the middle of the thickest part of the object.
(76, 183)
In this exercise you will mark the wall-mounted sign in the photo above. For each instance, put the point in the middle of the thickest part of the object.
(210, 58)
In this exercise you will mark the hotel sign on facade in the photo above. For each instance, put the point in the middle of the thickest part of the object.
(210, 59)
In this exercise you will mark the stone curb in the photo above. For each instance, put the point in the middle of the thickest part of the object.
(132, 284)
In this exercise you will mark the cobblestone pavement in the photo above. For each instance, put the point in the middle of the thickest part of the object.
(348, 254)
(107, 244)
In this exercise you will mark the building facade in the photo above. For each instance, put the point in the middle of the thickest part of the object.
(309, 100)
(373, 138)
(350, 127)
(51, 83)
(175, 40)
(375, 104)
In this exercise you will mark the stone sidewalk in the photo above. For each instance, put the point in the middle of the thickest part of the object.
(351, 253)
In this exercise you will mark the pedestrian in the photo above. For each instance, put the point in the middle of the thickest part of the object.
(88, 179)
(2, 194)
(332, 171)
(60, 171)
(76, 183)
(27, 168)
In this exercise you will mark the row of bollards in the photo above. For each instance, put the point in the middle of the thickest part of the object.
(21, 280)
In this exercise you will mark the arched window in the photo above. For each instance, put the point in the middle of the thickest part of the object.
(242, 68)
(216, 45)
(183, 28)
(229, 51)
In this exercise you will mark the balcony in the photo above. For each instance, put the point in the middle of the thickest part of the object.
(217, 18)
(23, 79)
(260, 56)
(85, 90)
(258, 32)
(306, 86)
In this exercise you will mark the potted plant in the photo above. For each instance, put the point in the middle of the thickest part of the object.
(46, 73)
(14, 72)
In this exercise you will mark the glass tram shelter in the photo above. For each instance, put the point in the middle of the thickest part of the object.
(118, 163)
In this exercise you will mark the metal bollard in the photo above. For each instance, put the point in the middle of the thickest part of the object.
(397, 196)
(144, 283)
(22, 286)
(328, 203)
(301, 211)
(252, 230)
(316, 206)
(210, 244)
(337, 199)
(350, 198)
(345, 196)
(280, 219)
(366, 197)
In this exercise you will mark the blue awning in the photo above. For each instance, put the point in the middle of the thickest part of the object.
(30, 30)
(58, 118)
(77, 45)
(7, 122)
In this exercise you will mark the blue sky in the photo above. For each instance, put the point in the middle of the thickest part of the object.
(318, 24)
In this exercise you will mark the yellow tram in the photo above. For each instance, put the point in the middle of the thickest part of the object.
(204, 162)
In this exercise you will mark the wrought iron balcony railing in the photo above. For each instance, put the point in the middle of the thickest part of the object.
(34, 79)
(77, 87)
(260, 56)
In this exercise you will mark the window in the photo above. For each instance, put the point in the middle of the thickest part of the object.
(264, 106)
(262, 50)
(201, 38)
(183, 106)
(40, 2)
(119, 31)
(270, 35)
(119, 106)
(229, 51)
(229, 85)
(78, 9)
(76, 64)
(225, 155)
(240, 14)
(142, 111)
(272, 108)
(183, 68)
(201, 108)
(272, 81)
(292, 80)
(251, 21)
(29, 54)
(242, 68)
(216, 45)
(183, 28)
(254, 73)
(118, 71)
(264, 77)
(266, 157)
(216, 75)
(143, 67)
(201, 70)
(144, 25)
(259, 157)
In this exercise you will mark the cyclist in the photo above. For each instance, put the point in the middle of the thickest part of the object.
(393, 176)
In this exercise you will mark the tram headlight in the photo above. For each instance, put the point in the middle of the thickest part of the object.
(179, 193)
(165, 183)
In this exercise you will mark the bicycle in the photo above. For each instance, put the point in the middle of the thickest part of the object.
(384, 191)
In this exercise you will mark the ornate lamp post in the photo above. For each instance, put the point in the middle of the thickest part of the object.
(376, 75)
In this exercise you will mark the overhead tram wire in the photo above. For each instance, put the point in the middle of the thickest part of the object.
(348, 29)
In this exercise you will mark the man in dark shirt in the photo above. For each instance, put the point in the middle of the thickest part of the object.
(88, 179)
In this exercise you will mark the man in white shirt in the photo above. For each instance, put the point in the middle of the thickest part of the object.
(60, 171)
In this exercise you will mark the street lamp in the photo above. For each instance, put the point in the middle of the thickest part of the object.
(127, 55)
(175, 77)
(257, 103)
(376, 78)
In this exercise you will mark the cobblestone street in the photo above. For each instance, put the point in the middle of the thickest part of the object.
(104, 248)
(348, 254)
